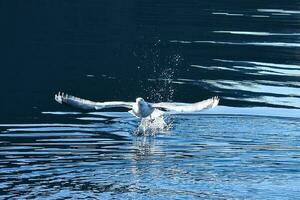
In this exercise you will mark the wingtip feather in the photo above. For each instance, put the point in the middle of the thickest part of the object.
(58, 97)
(216, 101)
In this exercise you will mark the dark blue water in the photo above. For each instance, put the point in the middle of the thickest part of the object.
(245, 52)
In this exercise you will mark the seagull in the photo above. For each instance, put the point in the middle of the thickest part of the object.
(140, 108)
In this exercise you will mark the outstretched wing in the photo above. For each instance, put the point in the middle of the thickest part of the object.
(186, 107)
(89, 105)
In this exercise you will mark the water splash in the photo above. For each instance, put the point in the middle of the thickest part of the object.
(163, 69)
(159, 65)
(158, 122)
(162, 89)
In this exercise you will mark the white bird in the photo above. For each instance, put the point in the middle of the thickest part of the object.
(140, 108)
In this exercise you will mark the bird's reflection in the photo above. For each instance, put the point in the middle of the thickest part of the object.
(144, 146)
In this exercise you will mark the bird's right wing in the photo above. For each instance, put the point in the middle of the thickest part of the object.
(90, 105)
(188, 107)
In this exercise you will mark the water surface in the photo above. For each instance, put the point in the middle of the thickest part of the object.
(208, 156)
(246, 53)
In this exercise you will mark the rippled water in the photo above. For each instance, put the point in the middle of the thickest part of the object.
(204, 155)
(245, 52)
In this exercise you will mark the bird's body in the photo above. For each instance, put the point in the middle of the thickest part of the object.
(140, 108)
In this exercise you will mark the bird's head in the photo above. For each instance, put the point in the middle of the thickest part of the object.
(139, 100)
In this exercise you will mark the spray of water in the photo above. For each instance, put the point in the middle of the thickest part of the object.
(161, 90)
(159, 122)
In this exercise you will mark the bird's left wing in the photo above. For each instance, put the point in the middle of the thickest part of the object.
(90, 105)
(188, 107)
